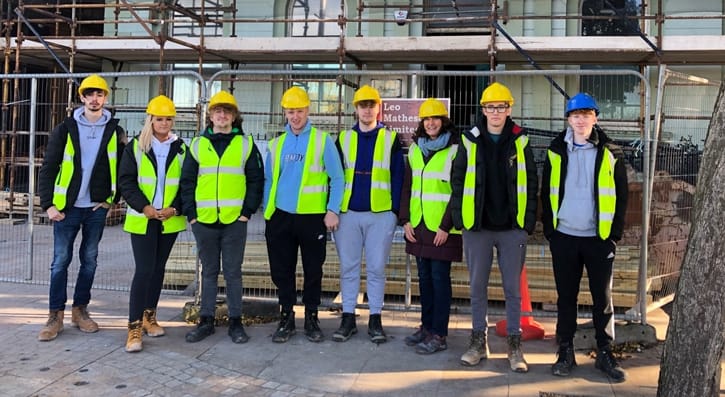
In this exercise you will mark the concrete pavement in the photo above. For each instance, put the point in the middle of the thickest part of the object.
(96, 364)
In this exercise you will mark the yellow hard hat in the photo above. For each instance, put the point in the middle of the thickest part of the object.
(366, 93)
(497, 92)
(161, 106)
(432, 107)
(93, 81)
(295, 98)
(222, 98)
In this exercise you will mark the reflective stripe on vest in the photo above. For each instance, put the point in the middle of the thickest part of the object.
(607, 197)
(221, 182)
(468, 204)
(136, 222)
(554, 183)
(430, 189)
(521, 180)
(380, 185)
(606, 191)
(312, 196)
(65, 174)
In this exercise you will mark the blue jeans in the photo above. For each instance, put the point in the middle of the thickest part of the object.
(91, 224)
(434, 282)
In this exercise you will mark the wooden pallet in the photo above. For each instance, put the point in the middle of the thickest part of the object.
(255, 274)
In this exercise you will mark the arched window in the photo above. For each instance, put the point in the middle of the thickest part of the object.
(316, 11)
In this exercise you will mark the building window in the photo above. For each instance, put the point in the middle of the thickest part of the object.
(311, 14)
(617, 96)
(617, 24)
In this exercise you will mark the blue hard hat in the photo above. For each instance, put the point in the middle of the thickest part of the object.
(581, 101)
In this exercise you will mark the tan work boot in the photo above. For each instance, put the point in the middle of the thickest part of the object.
(150, 325)
(82, 319)
(477, 349)
(135, 335)
(515, 355)
(53, 326)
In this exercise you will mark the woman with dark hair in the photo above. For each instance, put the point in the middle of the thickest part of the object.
(426, 220)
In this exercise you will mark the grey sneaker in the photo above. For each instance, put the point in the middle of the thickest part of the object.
(432, 344)
(419, 336)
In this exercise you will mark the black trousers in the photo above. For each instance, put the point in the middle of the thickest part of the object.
(287, 233)
(571, 255)
(150, 252)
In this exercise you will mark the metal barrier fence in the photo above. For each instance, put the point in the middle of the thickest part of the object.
(682, 115)
(28, 245)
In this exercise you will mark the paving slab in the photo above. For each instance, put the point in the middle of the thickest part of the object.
(81, 364)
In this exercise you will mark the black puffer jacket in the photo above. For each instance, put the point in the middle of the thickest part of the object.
(496, 189)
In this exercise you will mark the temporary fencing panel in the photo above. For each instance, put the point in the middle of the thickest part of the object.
(539, 107)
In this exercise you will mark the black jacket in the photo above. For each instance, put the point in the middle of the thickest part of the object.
(495, 200)
(100, 185)
(599, 139)
(253, 169)
(128, 175)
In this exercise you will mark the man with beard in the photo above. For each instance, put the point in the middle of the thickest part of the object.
(77, 184)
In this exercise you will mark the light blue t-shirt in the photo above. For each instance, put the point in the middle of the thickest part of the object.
(294, 149)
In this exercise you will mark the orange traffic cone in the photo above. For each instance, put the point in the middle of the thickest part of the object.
(530, 329)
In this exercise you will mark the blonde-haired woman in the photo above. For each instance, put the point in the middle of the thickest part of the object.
(149, 182)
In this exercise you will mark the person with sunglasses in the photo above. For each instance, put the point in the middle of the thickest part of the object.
(494, 199)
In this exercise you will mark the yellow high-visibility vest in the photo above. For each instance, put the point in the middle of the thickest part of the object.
(468, 210)
(380, 185)
(65, 175)
(221, 184)
(312, 195)
(606, 191)
(136, 222)
(430, 190)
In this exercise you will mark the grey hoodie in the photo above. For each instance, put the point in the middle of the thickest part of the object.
(577, 215)
(90, 136)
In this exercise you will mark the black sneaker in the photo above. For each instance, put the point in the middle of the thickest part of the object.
(606, 363)
(347, 328)
(286, 327)
(565, 360)
(202, 330)
(375, 329)
(312, 327)
(419, 336)
(236, 330)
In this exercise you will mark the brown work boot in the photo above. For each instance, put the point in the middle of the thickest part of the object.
(135, 335)
(53, 326)
(515, 355)
(477, 349)
(150, 325)
(82, 319)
